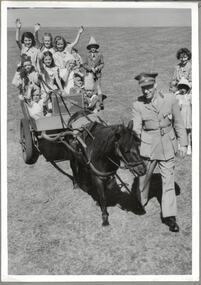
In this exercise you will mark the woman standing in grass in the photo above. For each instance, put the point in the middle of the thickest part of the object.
(183, 69)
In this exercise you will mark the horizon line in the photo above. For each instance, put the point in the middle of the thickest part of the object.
(152, 26)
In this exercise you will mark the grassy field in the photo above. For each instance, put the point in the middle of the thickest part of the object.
(53, 229)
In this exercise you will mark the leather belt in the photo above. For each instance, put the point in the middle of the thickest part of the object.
(162, 130)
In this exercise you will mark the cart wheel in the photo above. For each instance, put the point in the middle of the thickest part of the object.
(29, 151)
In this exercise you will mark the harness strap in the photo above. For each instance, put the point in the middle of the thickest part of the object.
(123, 183)
(61, 170)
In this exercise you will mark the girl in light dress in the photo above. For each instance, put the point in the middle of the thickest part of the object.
(69, 74)
(47, 41)
(63, 50)
(184, 98)
(50, 72)
(27, 43)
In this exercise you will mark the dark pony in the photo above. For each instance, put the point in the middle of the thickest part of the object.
(104, 147)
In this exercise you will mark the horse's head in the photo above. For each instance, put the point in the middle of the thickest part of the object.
(127, 148)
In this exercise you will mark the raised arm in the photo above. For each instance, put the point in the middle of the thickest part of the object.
(58, 79)
(36, 29)
(18, 27)
(80, 31)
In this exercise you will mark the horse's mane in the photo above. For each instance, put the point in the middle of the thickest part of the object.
(105, 136)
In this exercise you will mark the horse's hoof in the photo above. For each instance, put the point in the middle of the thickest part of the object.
(104, 224)
(75, 186)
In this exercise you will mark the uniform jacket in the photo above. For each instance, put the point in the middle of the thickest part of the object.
(94, 61)
(159, 124)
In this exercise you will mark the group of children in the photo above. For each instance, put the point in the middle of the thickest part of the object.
(55, 65)
(181, 86)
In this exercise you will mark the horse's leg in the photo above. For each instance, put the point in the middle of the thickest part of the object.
(100, 185)
(75, 169)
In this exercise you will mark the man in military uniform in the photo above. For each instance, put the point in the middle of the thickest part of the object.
(158, 122)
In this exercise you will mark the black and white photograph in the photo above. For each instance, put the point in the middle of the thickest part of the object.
(99, 141)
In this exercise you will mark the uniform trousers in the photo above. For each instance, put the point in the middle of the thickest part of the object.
(168, 202)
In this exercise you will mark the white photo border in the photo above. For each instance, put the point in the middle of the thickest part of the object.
(195, 138)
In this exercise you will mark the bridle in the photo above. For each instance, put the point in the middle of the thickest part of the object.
(127, 165)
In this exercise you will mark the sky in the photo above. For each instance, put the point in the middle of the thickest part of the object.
(100, 17)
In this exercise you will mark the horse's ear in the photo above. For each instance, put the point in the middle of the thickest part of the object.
(118, 132)
(130, 125)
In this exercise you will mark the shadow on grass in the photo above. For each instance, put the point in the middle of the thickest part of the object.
(127, 201)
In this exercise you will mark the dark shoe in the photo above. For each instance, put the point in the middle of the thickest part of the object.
(171, 223)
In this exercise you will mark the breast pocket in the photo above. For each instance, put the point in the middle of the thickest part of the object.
(168, 115)
(146, 144)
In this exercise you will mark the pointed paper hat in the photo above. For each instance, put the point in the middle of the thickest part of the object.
(92, 43)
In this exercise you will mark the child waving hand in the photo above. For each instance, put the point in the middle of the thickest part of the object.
(27, 43)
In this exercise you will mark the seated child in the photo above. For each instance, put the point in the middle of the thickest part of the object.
(70, 78)
(25, 74)
(77, 89)
(35, 104)
(91, 100)
(50, 73)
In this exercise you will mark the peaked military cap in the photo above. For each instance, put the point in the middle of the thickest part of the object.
(145, 79)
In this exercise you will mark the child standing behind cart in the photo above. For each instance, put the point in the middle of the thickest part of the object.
(184, 98)
(27, 43)
(94, 64)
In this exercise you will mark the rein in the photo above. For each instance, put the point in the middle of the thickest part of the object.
(129, 166)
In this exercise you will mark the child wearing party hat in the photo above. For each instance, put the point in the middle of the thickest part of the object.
(94, 64)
